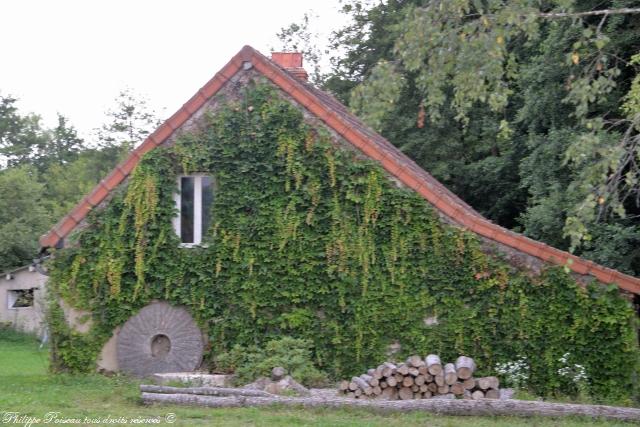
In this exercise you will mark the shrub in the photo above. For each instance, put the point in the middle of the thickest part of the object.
(514, 373)
(249, 363)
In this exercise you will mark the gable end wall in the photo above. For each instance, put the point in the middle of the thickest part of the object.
(231, 91)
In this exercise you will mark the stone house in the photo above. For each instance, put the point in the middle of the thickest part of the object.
(147, 335)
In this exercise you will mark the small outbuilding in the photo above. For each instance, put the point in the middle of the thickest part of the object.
(22, 299)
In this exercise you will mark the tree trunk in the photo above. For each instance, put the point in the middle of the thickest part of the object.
(405, 393)
(362, 384)
(389, 369)
(488, 382)
(403, 369)
(415, 361)
(492, 394)
(457, 389)
(407, 381)
(445, 396)
(377, 373)
(443, 389)
(450, 375)
(390, 393)
(465, 367)
(366, 378)
(204, 391)
(433, 364)
(485, 407)
(477, 395)
(391, 381)
(469, 383)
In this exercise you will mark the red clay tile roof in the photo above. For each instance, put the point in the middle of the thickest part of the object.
(337, 117)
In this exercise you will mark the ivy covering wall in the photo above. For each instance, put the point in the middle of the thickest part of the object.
(310, 241)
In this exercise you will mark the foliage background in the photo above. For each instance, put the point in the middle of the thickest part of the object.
(310, 241)
(45, 171)
(530, 119)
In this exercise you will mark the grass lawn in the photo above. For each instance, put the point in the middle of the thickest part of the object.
(27, 388)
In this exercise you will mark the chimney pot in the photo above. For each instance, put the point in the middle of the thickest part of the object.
(291, 62)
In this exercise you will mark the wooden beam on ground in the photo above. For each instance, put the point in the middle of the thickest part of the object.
(482, 407)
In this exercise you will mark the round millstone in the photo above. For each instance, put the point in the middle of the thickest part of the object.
(160, 338)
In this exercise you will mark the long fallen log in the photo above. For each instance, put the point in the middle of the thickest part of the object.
(485, 407)
(205, 391)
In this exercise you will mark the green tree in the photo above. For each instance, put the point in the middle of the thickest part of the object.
(67, 183)
(23, 217)
(62, 146)
(20, 136)
(24, 141)
(130, 121)
(47, 171)
(301, 37)
(516, 106)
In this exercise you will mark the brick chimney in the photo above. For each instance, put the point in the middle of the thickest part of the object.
(291, 62)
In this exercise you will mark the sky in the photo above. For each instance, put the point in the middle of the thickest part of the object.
(74, 57)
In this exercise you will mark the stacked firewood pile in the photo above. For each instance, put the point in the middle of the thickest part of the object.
(422, 378)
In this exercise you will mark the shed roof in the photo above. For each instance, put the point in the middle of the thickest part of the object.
(337, 117)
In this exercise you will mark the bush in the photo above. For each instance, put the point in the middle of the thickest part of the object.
(249, 363)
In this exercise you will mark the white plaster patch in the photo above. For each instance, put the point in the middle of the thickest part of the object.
(431, 321)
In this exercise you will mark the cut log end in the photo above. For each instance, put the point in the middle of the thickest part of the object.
(465, 366)
(405, 393)
(434, 366)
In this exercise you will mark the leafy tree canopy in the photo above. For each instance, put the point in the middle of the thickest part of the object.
(528, 110)
(45, 171)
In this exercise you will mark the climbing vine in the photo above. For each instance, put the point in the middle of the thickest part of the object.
(309, 240)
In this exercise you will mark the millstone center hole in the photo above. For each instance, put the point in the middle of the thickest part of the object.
(160, 345)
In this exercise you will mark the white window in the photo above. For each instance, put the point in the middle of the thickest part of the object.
(20, 298)
(193, 201)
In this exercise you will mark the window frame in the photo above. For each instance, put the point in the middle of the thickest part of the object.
(197, 208)
(13, 296)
